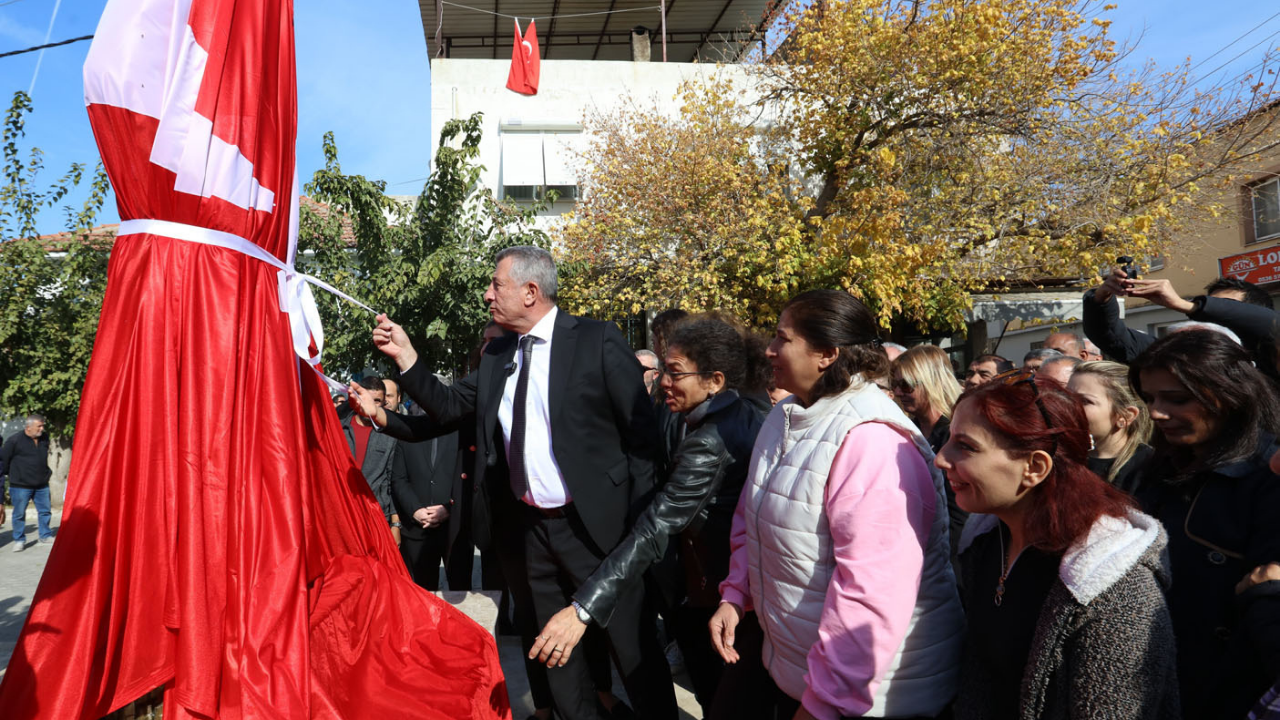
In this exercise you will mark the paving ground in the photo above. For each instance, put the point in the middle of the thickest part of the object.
(20, 573)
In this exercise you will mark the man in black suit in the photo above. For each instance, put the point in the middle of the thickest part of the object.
(422, 487)
(374, 452)
(559, 404)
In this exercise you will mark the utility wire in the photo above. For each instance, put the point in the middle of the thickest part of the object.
(1237, 57)
(548, 17)
(1219, 51)
(42, 47)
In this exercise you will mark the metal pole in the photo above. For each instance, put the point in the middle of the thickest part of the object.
(664, 30)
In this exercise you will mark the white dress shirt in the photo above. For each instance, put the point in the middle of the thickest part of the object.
(547, 488)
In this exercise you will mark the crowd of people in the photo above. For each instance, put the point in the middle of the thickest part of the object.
(829, 525)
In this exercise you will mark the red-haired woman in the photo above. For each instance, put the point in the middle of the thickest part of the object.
(1063, 580)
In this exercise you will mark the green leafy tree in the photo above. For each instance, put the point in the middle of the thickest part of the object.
(425, 264)
(51, 287)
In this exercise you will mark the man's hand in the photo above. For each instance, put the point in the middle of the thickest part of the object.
(722, 626)
(1114, 284)
(363, 404)
(1160, 292)
(392, 340)
(558, 639)
(1260, 574)
(432, 516)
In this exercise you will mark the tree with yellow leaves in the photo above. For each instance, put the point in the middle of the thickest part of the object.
(946, 146)
(689, 211)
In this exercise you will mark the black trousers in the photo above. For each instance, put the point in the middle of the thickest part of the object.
(423, 552)
(560, 556)
(689, 627)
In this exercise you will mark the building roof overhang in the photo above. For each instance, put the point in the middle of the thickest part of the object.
(704, 30)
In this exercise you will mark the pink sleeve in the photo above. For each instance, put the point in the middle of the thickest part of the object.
(880, 504)
(736, 587)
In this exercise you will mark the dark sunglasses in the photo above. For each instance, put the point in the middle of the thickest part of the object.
(1020, 376)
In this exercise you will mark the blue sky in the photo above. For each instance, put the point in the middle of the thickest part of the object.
(363, 73)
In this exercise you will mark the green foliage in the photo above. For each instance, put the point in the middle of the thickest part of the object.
(51, 288)
(425, 266)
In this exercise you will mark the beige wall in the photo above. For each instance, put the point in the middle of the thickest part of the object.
(1192, 259)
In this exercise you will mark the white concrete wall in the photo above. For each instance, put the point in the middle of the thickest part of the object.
(1017, 343)
(568, 89)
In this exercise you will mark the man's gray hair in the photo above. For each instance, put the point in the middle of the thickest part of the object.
(1074, 361)
(1040, 354)
(532, 264)
(1198, 325)
(646, 353)
(34, 418)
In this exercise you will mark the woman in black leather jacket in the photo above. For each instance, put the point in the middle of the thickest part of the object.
(705, 365)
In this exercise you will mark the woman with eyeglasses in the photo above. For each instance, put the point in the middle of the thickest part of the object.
(1216, 418)
(925, 385)
(1118, 422)
(1063, 578)
(839, 540)
(707, 363)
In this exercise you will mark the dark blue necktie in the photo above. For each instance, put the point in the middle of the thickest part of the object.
(515, 454)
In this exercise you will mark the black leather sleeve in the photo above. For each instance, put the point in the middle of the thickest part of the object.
(699, 469)
(1102, 325)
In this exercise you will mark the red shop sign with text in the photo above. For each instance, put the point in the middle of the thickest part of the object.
(1258, 267)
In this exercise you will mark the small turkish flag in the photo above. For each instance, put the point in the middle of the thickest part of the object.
(525, 62)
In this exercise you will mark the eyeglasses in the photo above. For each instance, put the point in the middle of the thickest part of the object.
(1020, 376)
(678, 375)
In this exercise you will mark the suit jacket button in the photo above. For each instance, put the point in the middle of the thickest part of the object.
(1217, 558)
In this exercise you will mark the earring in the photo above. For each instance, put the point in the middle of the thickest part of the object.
(1092, 444)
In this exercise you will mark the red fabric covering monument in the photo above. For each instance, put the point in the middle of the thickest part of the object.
(526, 61)
(217, 538)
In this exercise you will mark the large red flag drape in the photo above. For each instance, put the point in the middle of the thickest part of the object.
(217, 538)
(526, 61)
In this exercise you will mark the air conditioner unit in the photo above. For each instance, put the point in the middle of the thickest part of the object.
(565, 192)
(521, 192)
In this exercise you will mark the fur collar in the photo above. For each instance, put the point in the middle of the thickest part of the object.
(1112, 548)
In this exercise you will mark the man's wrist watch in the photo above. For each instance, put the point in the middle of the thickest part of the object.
(584, 617)
(396, 524)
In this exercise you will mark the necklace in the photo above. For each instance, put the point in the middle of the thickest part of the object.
(1004, 570)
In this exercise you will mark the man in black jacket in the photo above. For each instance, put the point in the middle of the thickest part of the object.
(375, 453)
(560, 404)
(1242, 307)
(25, 459)
(423, 485)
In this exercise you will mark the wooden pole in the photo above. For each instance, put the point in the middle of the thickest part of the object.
(664, 30)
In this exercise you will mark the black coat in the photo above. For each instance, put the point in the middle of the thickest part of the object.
(696, 502)
(1222, 523)
(429, 474)
(603, 431)
(1255, 325)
